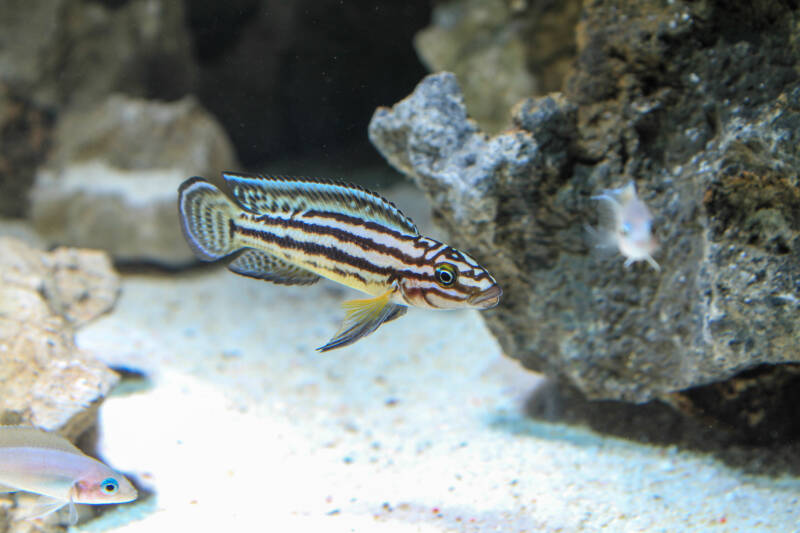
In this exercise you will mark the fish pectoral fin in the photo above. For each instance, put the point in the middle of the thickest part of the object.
(260, 265)
(362, 318)
(41, 508)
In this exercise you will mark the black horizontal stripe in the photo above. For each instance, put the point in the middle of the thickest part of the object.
(423, 291)
(347, 274)
(352, 238)
(312, 248)
(357, 221)
(345, 237)
(334, 254)
(475, 277)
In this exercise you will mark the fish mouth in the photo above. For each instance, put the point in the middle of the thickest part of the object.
(488, 298)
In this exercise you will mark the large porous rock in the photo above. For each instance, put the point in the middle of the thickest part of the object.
(112, 179)
(45, 380)
(698, 102)
(59, 54)
(500, 50)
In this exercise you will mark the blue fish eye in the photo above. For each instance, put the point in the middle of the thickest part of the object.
(110, 485)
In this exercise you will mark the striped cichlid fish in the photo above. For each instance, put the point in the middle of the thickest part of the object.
(295, 230)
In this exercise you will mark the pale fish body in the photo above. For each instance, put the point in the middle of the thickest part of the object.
(296, 230)
(33, 460)
(626, 224)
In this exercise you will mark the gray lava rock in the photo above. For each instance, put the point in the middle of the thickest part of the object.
(500, 50)
(726, 298)
(112, 179)
(474, 40)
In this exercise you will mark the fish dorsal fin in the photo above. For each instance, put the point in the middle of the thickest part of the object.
(277, 194)
(31, 437)
(257, 264)
(627, 193)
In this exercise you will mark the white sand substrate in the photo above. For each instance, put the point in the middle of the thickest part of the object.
(417, 428)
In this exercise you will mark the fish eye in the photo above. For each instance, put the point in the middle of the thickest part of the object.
(446, 274)
(626, 229)
(109, 485)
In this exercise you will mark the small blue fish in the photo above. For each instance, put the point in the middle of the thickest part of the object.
(625, 224)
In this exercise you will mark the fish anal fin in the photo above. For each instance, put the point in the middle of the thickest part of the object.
(257, 264)
(363, 317)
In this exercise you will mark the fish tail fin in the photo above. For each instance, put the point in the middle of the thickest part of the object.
(207, 219)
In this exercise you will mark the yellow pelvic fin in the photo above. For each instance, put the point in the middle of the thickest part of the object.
(363, 317)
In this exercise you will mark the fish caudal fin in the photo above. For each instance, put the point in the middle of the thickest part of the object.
(206, 219)
(363, 317)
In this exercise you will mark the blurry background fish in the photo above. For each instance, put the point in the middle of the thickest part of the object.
(626, 224)
(47, 464)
